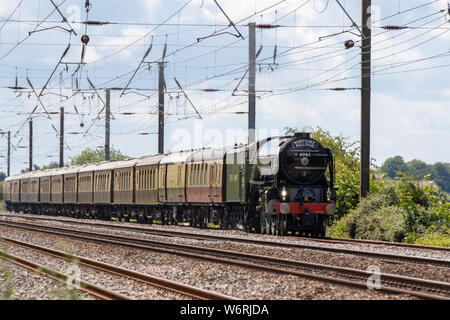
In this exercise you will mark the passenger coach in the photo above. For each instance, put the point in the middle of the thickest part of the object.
(235, 187)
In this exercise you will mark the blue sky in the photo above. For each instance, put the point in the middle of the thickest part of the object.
(410, 84)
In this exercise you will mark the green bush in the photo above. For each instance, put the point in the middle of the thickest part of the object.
(430, 238)
(376, 218)
(399, 210)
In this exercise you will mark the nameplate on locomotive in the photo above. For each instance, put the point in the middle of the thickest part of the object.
(302, 143)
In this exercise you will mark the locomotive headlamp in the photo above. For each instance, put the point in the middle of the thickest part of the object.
(284, 194)
(328, 194)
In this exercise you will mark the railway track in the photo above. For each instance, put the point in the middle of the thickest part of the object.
(97, 291)
(426, 289)
(383, 243)
(190, 291)
(190, 235)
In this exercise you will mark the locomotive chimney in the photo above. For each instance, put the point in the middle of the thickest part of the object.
(303, 135)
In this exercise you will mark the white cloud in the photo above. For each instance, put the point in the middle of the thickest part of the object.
(6, 7)
(91, 54)
(414, 128)
(152, 7)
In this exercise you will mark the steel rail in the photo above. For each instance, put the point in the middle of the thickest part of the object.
(387, 243)
(426, 289)
(193, 292)
(171, 233)
(87, 287)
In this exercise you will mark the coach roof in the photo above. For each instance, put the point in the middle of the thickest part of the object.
(71, 170)
(149, 160)
(176, 157)
(127, 163)
(209, 154)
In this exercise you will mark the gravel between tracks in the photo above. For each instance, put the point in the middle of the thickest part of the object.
(28, 285)
(116, 283)
(379, 248)
(304, 255)
(226, 279)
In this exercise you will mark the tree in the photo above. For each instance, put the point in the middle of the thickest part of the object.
(51, 165)
(392, 165)
(2, 176)
(35, 167)
(89, 155)
(417, 168)
(441, 175)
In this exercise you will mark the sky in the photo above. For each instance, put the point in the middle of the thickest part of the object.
(301, 60)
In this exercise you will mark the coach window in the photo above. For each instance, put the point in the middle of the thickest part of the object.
(151, 176)
(144, 179)
(151, 173)
(152, 179)
(195, 174)
(203, 176)
(138, 179)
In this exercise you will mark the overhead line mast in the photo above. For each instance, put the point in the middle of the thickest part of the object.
(366, 47)
(251, 82)
(161, 108)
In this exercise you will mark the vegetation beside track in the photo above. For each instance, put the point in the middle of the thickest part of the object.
(399, 209)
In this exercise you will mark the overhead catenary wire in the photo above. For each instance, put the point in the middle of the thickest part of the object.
(196, 83)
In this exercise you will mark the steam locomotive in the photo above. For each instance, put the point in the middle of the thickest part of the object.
(281, 192)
